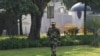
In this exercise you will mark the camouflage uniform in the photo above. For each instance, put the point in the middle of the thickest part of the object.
(53, 35)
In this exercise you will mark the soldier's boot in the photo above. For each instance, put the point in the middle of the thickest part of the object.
(53, 54)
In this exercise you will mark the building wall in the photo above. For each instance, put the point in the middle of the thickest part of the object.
(61, 19)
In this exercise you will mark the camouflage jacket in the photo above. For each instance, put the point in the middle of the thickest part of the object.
(53, 34)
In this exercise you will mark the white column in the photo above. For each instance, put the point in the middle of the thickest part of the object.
(18, 27)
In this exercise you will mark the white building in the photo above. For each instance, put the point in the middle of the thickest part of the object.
(61, 19)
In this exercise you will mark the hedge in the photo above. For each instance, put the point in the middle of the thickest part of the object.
(16, 43)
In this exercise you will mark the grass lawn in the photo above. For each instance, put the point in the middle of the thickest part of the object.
(61, 51)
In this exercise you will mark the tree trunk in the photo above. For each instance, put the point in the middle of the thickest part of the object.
(36, 19)
(95, 40)
(21, 31)
(1, 24)
(85, 9)
(95, 35)
(35, 27)
(11, 24)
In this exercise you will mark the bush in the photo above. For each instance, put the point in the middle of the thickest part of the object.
(84, 40)
(16, 43)
(73, 31)
(10, 44)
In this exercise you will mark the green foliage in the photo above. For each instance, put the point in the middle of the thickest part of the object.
(16, 43)
(77, 40)
(69, 3)
(92, 23)
(94, 4)
(19, 7)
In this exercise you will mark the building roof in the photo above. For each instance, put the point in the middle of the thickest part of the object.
(79, 7)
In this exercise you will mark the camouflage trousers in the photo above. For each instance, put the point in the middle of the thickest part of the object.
(53, 49)
(53, 46)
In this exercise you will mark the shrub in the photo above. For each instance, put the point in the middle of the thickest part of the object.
(15, 43)
(44, 42)
(10, 44)
(71, 29)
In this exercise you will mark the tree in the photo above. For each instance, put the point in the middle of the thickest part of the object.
(34, 7)
(93, 25)
(92, 3)
(15, 9)
(69, 3)
(36, 19)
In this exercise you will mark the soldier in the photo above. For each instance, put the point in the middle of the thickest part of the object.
(53, 35)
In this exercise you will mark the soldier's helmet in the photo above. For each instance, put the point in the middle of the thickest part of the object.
(53, 23)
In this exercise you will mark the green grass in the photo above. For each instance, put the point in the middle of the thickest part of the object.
(23, 36)
(6, 37)
(61, 51)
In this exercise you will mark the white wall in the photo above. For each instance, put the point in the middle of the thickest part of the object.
(69, 17)
(76, 20)
(60, 18)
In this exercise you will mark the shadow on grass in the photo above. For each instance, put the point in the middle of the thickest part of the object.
(77, 51)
